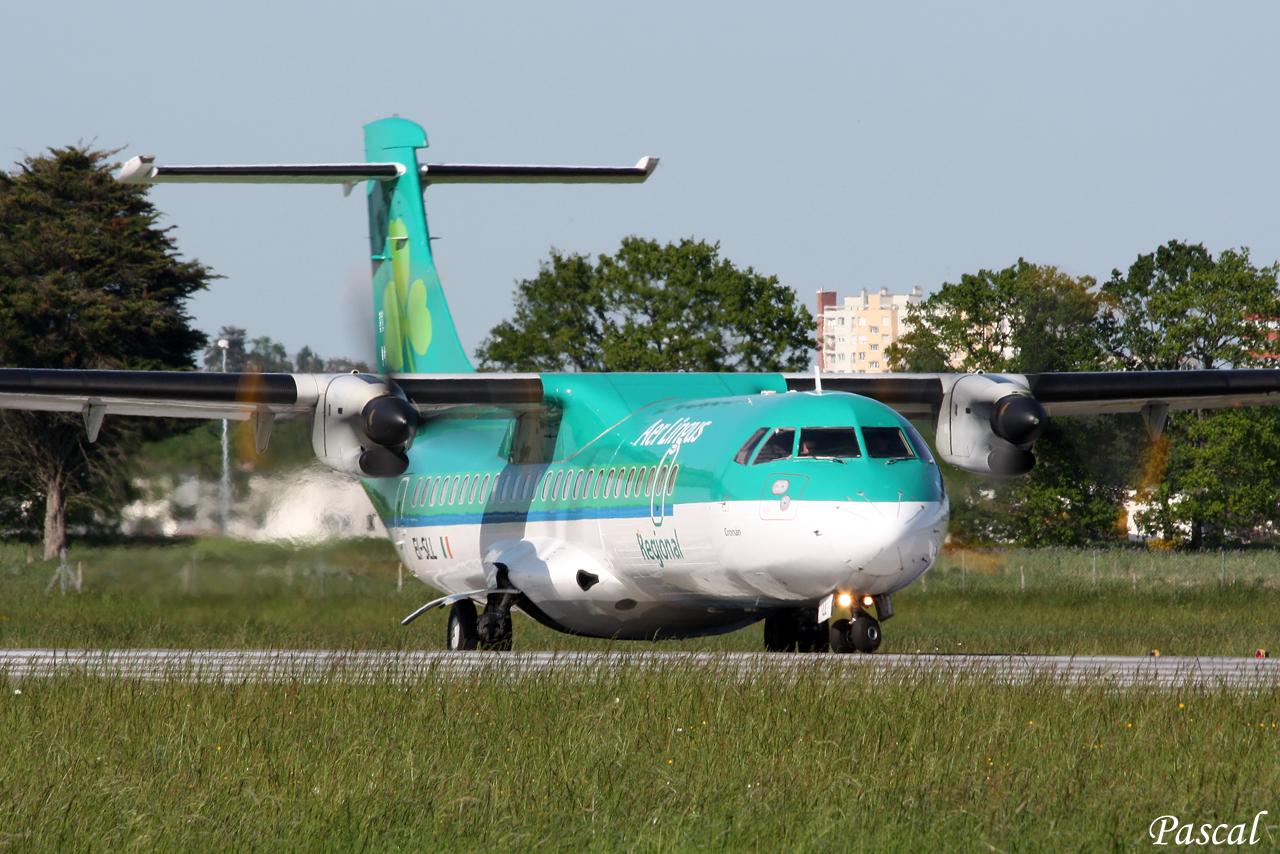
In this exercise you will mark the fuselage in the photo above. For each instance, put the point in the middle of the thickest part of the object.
(682, 517)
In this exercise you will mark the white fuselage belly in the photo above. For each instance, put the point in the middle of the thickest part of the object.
(703, 568)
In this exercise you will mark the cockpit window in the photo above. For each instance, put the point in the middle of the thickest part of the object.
(887, 443)
(777, 447)
(744, 453)
(918, 442)
(839, 443)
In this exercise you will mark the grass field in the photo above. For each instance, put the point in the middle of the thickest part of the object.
(680, 759)
(643, 761)
(215, 593)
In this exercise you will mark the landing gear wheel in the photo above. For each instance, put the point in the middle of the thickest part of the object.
(864, 632)
(779, 635)
(461, 634)
(795, 630)
(494, 631)
(841, 642)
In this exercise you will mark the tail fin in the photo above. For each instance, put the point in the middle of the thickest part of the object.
(415, 330)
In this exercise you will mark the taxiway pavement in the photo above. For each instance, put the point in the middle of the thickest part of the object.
(229, 666)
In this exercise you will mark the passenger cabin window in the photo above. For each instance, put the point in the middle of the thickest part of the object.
(744, 453)
(832, 443)
(887, 443)
(777, 447)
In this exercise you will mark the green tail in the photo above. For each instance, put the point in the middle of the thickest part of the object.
(414, 327)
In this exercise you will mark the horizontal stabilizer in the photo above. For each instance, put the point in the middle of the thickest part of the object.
(470, 173)
(142, 170)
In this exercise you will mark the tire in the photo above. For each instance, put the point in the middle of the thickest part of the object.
(493, 632)
(795, 630)
(779, 633)
(841, 643)
(812, 636)
(461, 633)
(864, 633)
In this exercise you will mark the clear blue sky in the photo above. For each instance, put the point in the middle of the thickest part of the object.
(836, 145)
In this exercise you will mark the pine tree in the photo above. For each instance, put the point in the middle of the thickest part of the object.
(88, 280)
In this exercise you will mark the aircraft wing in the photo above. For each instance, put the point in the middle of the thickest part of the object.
(241, 397)
(1096, 393)
(235, 396)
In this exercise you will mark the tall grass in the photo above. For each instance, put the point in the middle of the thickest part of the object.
(217, 593)
(680, 759)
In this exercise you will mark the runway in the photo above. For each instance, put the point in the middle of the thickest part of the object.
(233, 666)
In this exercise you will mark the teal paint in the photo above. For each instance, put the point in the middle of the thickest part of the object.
(415, 331)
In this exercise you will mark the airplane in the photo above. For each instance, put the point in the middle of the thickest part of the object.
(623, 505)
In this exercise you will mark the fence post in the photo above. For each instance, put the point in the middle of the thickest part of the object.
(1023, 571)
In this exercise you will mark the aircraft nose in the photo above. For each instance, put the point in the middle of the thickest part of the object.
(886, 541)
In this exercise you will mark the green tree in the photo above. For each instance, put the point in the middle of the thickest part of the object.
(1216, 474)
(261, 355)
(87, 280)
(1028, 318)
(678, 307)
(1179, 308)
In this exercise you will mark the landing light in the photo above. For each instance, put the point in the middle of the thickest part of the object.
(867, 601)
(844, 600)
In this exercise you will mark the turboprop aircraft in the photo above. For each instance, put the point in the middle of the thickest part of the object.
(623, 505)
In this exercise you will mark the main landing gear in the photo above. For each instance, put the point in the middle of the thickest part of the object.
(795, 630)
(798, 630)
(491, 630)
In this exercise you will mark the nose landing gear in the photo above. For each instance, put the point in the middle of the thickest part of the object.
(861, 633)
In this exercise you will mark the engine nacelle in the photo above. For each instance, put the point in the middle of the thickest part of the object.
(988, 424)
(363, 426)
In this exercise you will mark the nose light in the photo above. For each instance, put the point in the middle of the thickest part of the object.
(844, 600)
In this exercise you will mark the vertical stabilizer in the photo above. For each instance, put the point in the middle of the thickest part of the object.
(414, 328)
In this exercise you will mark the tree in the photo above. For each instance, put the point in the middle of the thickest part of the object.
(678, 307)
(1217, 472)
(1028, 318)
(1178, 308)
(266, 355)
(1025, 318)
(87, 280)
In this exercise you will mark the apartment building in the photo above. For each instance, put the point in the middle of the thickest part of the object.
(853, 335)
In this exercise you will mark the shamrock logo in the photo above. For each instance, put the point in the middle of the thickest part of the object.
(404, 305)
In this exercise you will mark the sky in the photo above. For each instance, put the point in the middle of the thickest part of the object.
(834, 145)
